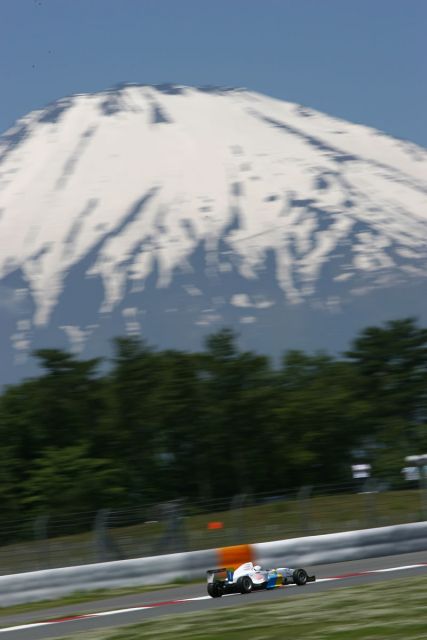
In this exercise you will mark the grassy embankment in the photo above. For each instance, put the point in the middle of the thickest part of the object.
(384, 611)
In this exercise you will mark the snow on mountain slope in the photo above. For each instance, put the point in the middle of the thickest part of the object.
(139, 177)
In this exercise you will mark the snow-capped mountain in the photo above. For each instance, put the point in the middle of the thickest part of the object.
(171, 211)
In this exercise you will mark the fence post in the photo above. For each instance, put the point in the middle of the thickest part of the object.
(40, 530)
(239, 524)
(423, 489)
(105, 547)
(173, 539)
(420, 461)
(304, 495)
(369, 491)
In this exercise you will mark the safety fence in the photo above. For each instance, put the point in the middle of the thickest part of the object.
(305, 551)
(181, 525)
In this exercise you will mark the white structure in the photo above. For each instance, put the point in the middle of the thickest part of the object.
(361, 471)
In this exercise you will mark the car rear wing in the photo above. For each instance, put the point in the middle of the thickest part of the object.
(220, 574)
(212, 571)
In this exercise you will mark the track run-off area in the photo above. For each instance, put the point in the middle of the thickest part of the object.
(132, 609)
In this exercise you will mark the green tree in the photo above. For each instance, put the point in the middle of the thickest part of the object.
(391, 364)
(67, 403)
(135, 413)
(56, 411)
(320, 421)
(69, 479)
(239, 410)
(185, 453)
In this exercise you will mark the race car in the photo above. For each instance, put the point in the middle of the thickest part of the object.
(249, 577)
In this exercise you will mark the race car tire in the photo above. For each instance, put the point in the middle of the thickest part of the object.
(214, 591)
(300, 577)
(245, 584)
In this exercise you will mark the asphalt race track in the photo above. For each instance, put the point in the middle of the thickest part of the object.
(115, 612)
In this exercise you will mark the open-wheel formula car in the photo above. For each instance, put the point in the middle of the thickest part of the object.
(249, 577)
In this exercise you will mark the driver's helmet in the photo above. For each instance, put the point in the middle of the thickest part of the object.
(257, 567)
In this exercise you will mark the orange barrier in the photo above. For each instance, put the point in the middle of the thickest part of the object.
(233, 557)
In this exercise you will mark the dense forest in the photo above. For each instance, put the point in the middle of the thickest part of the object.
(155, 425)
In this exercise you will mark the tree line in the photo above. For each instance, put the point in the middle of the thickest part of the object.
(159, 425)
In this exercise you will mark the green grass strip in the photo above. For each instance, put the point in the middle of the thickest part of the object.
(383, 611)
(81, 597)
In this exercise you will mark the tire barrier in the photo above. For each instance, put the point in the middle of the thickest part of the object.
(56, 583)
(308, 551)
(233, 557)
(346, 546)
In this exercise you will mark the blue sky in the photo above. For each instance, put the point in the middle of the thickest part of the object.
(363, 60)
